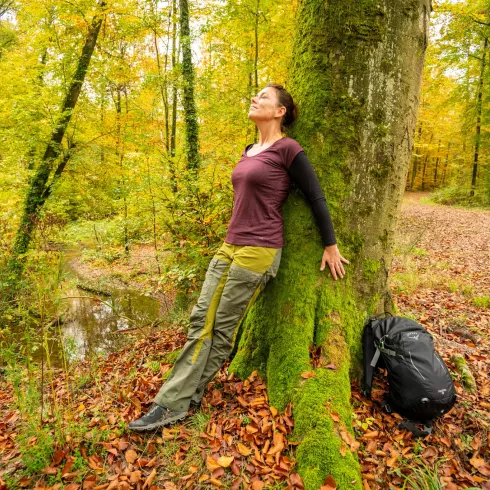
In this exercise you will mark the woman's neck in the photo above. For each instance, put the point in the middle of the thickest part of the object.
(268, 134)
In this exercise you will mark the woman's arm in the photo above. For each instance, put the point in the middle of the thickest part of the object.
(305, 178)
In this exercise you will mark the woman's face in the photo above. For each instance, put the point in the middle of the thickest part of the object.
(265, 106)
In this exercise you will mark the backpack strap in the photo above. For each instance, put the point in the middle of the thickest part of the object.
(410, 425)
(369, 354)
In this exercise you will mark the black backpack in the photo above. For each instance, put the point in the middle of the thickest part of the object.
(421, 388)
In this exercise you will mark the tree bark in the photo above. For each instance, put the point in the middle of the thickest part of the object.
(355, 73)
(189, 102)
(36, 194)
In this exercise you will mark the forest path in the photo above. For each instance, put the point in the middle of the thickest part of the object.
(441, 278)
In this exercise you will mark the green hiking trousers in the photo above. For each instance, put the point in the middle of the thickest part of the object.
(235, 277)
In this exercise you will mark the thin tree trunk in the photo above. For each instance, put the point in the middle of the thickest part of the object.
(425, 161)
(35, 195)
(445, 165)
(189, 102)
(416, 157)
(153, 215)
(478, 117)
(174, 83)
(437, 163)
(345, 97)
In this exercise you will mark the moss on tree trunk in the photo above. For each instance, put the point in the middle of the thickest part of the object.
(355, 72)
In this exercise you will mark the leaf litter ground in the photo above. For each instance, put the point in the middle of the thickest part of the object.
(237, 440)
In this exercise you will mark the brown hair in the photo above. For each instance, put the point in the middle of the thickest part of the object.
(285, 100)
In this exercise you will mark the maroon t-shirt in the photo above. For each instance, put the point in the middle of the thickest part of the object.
(261, 184)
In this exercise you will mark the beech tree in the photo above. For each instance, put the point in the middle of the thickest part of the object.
(355, 72)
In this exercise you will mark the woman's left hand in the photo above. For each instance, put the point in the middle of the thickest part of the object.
(332, 257)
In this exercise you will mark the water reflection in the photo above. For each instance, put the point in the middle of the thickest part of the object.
(93, 325)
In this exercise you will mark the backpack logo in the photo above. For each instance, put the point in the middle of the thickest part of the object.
(442, 391)
(413, 335)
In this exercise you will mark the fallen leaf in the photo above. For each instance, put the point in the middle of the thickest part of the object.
(135, 476)
(58, 457)
(329, 484)
(308, 374)
(130, 456)
(150, 478)
(225, 461)
(72, 486)
(212, 464)
(243, 450)
(476, 461)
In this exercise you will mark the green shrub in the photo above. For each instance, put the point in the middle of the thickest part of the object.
(461, 196)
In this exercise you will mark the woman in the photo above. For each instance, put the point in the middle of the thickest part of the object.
(250, 256)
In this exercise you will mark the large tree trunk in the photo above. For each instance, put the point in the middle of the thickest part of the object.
(355, 72)
(39, 190)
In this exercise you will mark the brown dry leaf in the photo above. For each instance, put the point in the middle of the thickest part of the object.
(111, 419)
(450, 486)
(203, 478)
(72, 486)
(243, 450)
(331, 366)
(130, 456)
(215, 482)
(308, 374)
(484, 469)
(150, 478)
(58, 457)
(114, 483)
(212, 464)
(89, 482)
(296, 481)
(430, 452)
(236, 484)
(218, 473)
(278, 444)
(335, 416)
(258, 485)
(371, 446)
(135, 476)
(476, 461)
(225, 461)
(365, 484)
(329, 484)
(391, 462)
(24, 482)
(349, 439)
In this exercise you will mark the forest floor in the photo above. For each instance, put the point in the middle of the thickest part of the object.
(440, 277)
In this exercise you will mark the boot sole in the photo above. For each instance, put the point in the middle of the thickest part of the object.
(159, 424)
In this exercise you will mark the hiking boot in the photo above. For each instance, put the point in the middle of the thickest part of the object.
(156, 417)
